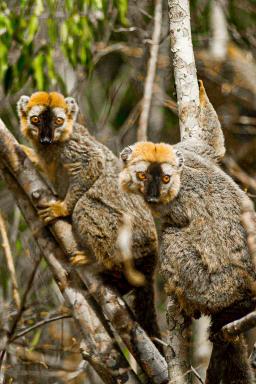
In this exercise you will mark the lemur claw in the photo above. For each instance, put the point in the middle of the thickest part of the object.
(80, 258)
(53, 210)
(73, 168)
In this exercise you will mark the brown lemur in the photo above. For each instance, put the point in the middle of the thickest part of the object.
(84, 174)
(204, 255)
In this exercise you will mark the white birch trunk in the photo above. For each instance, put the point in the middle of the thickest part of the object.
(148, 89)
(184, 67)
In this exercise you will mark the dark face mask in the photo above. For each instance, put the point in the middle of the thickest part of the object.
(46, 127)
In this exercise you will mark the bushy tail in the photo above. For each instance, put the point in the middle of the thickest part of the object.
(229, 362)
(145, 312)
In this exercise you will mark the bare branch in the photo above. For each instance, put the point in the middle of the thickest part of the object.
(238, 326)
(36, 190)
(38, 325)
(9, 262)
(237, 172)
(148, 89)
(135, 338)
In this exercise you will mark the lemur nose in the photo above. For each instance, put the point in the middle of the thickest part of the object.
(45, 140)
(152, 199)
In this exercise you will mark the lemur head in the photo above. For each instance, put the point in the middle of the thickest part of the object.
(152, 170)
(47, 118)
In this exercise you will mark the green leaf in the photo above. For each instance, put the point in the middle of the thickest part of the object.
(122, 6)
(35, 339)
(69, 5)
(39, 7)
(52, 31)
(38, 67)
(32, 29)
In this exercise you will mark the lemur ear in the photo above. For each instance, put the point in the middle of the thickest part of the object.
(22, 104)
(180, 159)
(72, 106)
(126, 154)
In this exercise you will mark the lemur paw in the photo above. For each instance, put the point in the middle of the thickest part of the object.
(80, 258)
(53, 210)
(73, 168)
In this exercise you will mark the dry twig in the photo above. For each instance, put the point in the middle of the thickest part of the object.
(238, 326)
(237, 172)
(10, 262)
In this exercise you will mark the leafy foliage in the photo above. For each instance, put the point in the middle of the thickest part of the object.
(34, 32)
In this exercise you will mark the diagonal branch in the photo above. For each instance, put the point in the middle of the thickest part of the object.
(97, 348)
(10, 262)
(36, 190)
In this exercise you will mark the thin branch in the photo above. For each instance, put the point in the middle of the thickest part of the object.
(38, 325)
(46, 360)
(196, 374)
(9, 262)
(148, 90)
(236, 171)
(20, 311)
(239, 326)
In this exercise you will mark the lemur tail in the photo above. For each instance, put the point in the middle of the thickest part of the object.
(229, 363)
(124, 242)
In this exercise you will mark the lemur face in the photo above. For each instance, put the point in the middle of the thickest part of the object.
(47, 117)
(152, 170)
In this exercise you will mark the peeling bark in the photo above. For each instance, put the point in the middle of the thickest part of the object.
(178, 344)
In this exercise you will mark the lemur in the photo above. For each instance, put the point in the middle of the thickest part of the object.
(204, 255)
(84, 174)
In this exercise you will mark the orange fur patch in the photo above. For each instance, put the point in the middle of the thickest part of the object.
(202, 93)
(52, 99)
(159, 153)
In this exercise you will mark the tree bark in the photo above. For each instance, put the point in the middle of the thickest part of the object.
(178, 344)
(149, 83)
(184, 67)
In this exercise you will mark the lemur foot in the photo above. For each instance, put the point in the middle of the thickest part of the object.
(53, 210)
(80, 258)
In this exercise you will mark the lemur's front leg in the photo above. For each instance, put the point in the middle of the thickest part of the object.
(52, 210)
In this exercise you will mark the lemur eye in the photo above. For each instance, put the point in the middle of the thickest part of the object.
(34, 119)
(166, 179)
(59, 121)
(141, 176)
